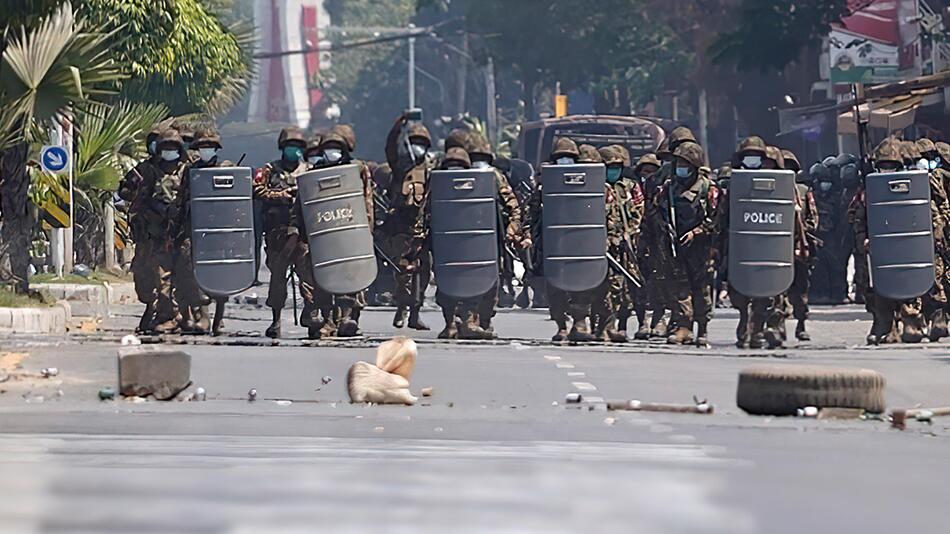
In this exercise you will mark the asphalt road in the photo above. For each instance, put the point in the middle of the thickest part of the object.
(495, 449)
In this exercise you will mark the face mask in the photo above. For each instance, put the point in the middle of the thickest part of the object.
(479, 164)
(683, 172)
(825, 186)
(613, 174)
(293, 154)
(333, 155)
(565, 161)
(752, 162)
(152, 147)
(923, 165)
(418, 151)
(315, 160)
(934, 163)
(170, 155)
(207, 154)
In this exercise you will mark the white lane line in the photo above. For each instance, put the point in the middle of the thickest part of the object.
(577, 374)
(565, 366)
(552, 358)
(584, 386)
(593, 400)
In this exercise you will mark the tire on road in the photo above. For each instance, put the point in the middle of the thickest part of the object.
(782, 389)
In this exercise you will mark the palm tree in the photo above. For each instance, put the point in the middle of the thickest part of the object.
(47, 69)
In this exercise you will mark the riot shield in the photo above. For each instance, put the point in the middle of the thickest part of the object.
(761, 232)
(341, 241)
(574, 225)
(464, 231)
(222, 229)
(900, 231)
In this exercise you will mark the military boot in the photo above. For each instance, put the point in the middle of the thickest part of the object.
(702, 336)
(800, 333)
(660, 329)
(217, 325)
(773, 338)
(938, 325)
(680, 336)
(415, 322)
(540, 296)
(188, 324)
(757, 340)
(202, 322)
(580, 331)
(561, 334)
(643, 332)
(506, 297)
(348, 324)
(147, 318)
(522, 301)
(913, 332)
(273, 331)
(742, 330)
(612, 333)
(329, 327)
(451, 328)
(470, 329)
(399, 320)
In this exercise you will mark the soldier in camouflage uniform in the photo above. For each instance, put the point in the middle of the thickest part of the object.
(406, 152)
(934, 303)
(779, 307)
(143, 270)
(155, 209)
(887, 157)
(325, 314)
(647, 173)
(806, 244)
(275, 186)
(624, 203)
(510, 214)
(752, 153)
(687, 226)
(192, 302)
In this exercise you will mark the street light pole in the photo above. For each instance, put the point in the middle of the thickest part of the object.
(412, 68)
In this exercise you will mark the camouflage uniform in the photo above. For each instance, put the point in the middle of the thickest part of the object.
(753, 312)
(405, 240)
(143, 271)
(648, 254)
(154, 213)
(886, 311)
(509, 214)
(562, 303)
(934, 302)
(325, 314)
(192, 302)
(624, 207)
(806, 227)
(686, 278)
(275, 186)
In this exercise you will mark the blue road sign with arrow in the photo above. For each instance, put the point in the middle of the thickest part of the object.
(54, 159)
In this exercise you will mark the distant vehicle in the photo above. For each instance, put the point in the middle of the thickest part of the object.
(640, 135)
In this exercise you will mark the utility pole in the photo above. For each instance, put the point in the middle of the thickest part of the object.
(491, 111)
(704, 123)
(412, 68)
(462, 77)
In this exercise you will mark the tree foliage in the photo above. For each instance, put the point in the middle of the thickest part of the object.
(179, 53)
(770, 35)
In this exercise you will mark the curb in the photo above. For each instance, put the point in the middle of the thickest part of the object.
(53, 320)
(90, 300)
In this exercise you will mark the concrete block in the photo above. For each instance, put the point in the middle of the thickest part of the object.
(149, 370)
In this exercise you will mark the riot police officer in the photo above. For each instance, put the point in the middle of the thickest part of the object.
(806, 244)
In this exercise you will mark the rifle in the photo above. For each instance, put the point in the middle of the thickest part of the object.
(386, 259)
(238, 164)
(617, 266)
(671, 223)
(800, 226)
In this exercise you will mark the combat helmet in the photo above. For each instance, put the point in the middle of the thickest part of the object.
(170, 136)
(589, 154)
(791, 161)
(925, 146)
(680, 135)
(564, 147)
(458, 155)
(478, 146)
(691, 153)
(775, 154)
(457, 138)
(417, 130)
(647, 159)
(610, 155)
(890, 151)
(291, 134)
(206, 138)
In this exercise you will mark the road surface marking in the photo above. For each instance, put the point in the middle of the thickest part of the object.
(565, 366)
(552, 358)
(577, 374)
(584, 386)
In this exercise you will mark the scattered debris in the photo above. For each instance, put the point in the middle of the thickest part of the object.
(201, 394)
(450, 404)
(923, 415)
(427, 392)
(609, 421)
(807, 411)
(4, 377)
(326, 380)
(284, 402)
(573, 398)
(700, 407)
(88, 326)
(37, 399)
(134, 399)
(49, 372)
(252, 395)
(784, 389)
(106, 394)
(378, 429)
(841, 413)
(555, 403)
(131, 339)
